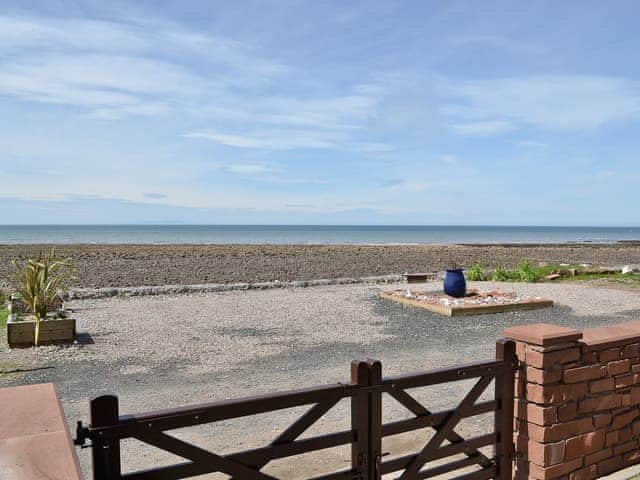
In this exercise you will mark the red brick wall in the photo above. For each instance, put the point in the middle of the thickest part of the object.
(577, 402)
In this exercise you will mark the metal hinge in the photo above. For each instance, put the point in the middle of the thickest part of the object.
(81, 436)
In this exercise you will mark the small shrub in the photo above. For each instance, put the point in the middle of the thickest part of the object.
(500, 275)
(476, 273)
(527, 272)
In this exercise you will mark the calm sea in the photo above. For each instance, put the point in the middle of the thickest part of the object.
(314, 234)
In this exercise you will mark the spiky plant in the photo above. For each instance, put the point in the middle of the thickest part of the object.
(40, 282)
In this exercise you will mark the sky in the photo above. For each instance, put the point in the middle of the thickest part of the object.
(332, 112)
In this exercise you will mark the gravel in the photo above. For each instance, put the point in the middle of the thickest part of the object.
(171, 350)
(136, 265)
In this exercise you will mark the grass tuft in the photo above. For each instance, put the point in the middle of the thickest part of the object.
(4, 314)
(501, 274)
(527, 272)
(476, 273)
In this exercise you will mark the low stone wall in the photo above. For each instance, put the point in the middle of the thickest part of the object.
(80, 293)
(577, 403)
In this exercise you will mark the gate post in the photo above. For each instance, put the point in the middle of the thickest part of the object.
(504, 395)
(366, 419)
(375, 436)
(360, 419)
(105, 453)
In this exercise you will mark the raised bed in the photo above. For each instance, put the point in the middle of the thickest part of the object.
(474, 303)
(21, 331)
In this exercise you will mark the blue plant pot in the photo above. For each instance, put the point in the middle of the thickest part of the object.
(454, 283)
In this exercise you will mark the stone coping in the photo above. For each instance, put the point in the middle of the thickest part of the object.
(543, 334)
(105, 292)
(610, 335)
(598, 338)
(34, 438)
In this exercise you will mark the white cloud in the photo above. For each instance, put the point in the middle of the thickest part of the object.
(532, 144)
(282, 123)
(139, 67)
(284, 139)
(104, 84)
(109, 69)
(496, 42)
(554, 102)
(112, 69)
(139, 36)
(409, 185)
(154, 195)
(247, 168)
(265, 173)
(373, 147)
(488, 127)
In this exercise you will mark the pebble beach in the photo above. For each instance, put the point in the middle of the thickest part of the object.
(137, 265)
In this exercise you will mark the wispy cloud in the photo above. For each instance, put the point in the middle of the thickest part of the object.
(154, 195)
(320, 111)
(532, 144)
(283, 123)
(480, 128)
(410, 185)
(111, 69)
(247, 168)
(102, 84)
(373, 147)
(496, 42)
(272, 139)
(139, 36)
(266, 173)
(555, 102)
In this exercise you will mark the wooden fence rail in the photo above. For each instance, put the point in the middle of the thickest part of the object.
(365, 391)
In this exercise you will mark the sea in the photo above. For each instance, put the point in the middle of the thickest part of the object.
(311, 234)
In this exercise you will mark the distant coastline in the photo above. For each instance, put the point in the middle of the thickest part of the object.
(313, 235)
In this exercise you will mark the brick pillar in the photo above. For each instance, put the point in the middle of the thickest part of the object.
(577, 400)
(545, 408)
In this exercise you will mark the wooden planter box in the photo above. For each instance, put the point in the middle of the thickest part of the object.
(432, 303)
(20, 333)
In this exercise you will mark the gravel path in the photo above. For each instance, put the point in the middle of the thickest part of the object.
(165, 351)
(135, 265)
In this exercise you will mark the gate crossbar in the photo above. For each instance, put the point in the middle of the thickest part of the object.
(365, 392)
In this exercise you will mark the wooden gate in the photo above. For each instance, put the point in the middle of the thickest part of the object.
(365, 391)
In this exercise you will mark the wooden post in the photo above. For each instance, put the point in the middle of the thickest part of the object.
(360, 419)
(105, 453)
(504, 384)
(375, 399)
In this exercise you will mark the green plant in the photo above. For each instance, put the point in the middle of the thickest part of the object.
(4, 313)
(527, 272)
(500, 275)
(476, 273)
(40, 282)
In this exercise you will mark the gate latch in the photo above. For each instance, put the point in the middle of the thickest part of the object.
(81, 436)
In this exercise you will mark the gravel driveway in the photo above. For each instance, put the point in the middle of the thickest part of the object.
(162, 351)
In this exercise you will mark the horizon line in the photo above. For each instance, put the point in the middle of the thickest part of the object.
(178, 224)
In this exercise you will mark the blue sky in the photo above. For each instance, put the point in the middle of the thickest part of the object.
(414, 112)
